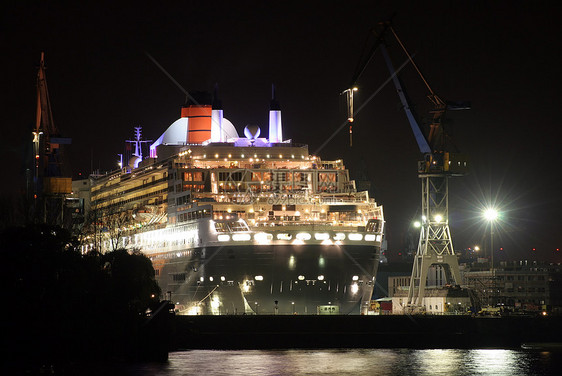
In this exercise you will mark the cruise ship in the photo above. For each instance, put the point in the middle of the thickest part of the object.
(240, 225)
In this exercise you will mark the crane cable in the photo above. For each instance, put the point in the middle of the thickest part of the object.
(434, 97)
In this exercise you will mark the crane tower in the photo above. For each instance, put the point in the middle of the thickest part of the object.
(52, 183)
(435, 246)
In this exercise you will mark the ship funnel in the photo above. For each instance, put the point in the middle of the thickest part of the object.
(217, 133)
(199, 114)
(275, 127)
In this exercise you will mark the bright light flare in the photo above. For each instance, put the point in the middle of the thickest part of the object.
(491, 214)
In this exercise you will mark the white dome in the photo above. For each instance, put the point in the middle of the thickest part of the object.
(228, 129)
(176, 134)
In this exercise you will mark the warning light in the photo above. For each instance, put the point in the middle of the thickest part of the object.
(534, 249)
(501, 248)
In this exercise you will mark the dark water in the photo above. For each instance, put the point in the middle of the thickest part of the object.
(355, 362)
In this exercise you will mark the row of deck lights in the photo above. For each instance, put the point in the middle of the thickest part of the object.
(251, 159)
(264, 238)
(188, 152)
(255, 157)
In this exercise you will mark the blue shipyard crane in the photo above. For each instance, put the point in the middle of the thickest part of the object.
(435, 246)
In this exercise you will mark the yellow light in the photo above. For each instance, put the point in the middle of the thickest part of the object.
(321, 236)
(263, 238)
(241, 237)
(215, 303)
(339, 236)
(283, 236)
(355, 236)
(303, 236)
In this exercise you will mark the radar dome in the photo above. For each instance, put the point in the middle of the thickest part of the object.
(134, 161)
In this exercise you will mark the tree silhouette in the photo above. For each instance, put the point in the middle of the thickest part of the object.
(63, 305)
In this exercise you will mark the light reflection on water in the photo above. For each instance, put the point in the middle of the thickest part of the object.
(356, 362)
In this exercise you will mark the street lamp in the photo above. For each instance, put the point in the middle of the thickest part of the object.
(491, 215)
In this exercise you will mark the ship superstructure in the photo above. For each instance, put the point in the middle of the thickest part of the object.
(242, 224)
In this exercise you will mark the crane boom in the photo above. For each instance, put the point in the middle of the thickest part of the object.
(418, 134)
(435, 246)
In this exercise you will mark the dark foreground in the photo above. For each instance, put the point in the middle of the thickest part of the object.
(163, 333)
(323, 332)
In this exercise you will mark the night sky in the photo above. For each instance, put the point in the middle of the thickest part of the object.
(503, 56)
